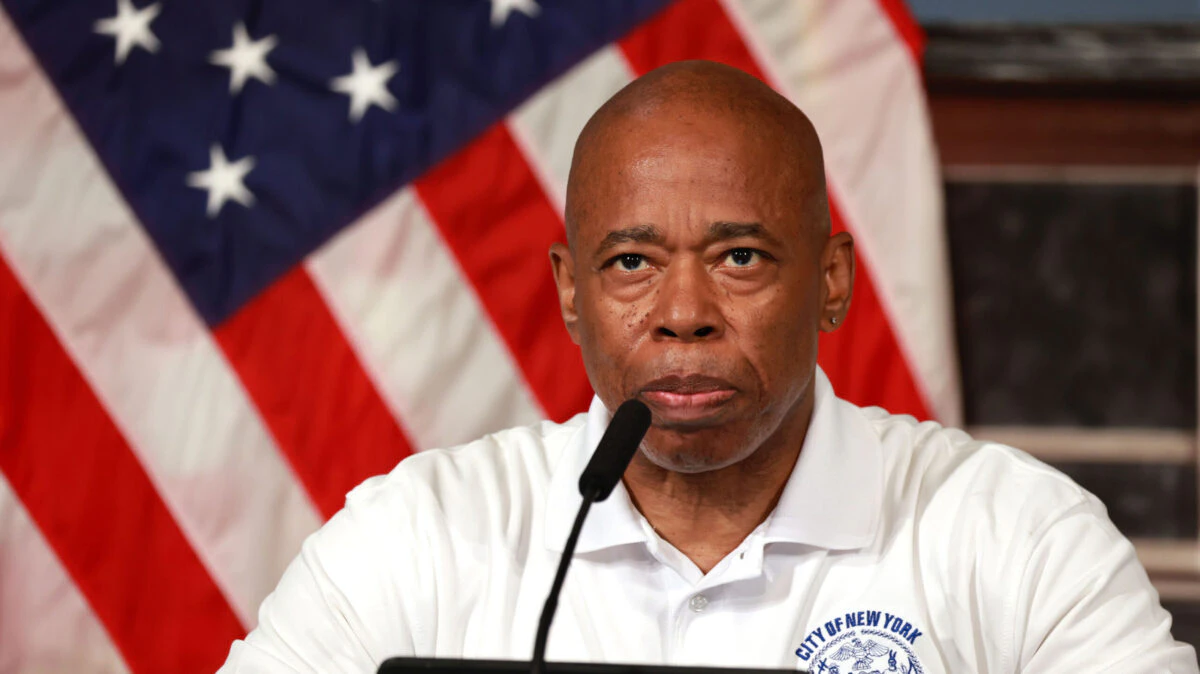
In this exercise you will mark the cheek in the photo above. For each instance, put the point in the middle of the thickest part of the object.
(616, 321)
(778, 336)
(620, 328)
(610, 332)
(634, 319)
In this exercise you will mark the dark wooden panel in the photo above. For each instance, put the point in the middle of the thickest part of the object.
(1126, 95)
(1186, 625)
(1075, 304)
(981, 129)
(1144, 500)
(1155, 60)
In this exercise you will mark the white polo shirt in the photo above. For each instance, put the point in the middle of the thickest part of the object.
(896, 546)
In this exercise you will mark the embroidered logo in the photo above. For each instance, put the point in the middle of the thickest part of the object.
(863, 642)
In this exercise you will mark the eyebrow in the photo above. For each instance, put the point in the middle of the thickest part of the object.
(717, 231)
(723, 231)
(634, 234)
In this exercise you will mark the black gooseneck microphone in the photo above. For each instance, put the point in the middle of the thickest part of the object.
(621, 439)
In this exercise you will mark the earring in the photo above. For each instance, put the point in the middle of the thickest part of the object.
(833, 320)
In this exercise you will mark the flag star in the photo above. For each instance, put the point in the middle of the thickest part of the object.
(131, 28)
(246, 58)
(502, 8)
(223, 180)
(366, 85)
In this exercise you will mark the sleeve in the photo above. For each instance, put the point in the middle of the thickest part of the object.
(345, 603)
(1085, 604)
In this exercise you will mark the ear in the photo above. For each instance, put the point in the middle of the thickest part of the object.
(563, 265)
(837, 264)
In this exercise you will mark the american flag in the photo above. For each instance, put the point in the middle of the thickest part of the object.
(254, 252)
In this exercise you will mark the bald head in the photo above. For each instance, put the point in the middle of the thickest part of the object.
(700, 268)
(687, 101)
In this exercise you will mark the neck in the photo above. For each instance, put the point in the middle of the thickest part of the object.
(707, 515)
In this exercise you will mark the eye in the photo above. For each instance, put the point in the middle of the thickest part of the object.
(630, 262)
(743, 257)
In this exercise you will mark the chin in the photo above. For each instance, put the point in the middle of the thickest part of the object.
(690, 460)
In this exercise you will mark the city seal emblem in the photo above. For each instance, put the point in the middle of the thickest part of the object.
(862, 642)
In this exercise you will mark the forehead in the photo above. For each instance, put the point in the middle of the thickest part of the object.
(687, 170)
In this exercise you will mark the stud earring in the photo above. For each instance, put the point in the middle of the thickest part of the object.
(833, 320)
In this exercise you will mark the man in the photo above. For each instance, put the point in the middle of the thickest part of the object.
(764, 522)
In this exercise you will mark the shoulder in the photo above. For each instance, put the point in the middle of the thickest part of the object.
(944, 476)
(498, 473)
(442, 502)
(409, 543)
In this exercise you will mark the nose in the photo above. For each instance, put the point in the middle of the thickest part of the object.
(687, 308)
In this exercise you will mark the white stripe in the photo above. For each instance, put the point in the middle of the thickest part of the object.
(546, 126)
(1109, 445)
(845, 65)
(1166, 556)
(45, 623)
(405, 306)
(1175, 589)
(85, 261)
(418, 327)
(1173, 566)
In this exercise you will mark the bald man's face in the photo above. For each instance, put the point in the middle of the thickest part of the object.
(696, 284)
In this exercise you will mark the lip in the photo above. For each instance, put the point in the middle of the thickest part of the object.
(687, 398)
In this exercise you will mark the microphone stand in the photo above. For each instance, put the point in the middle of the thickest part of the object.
(604, 470)
(538, 665)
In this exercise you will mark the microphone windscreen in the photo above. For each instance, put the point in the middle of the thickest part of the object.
(616, 449)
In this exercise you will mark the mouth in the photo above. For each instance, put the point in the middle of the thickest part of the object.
(686, 398)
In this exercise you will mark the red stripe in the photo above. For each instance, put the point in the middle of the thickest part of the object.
(686, 30)
(863, 358)
(906, 27)
(311, 390)
(493, 214)
(97, 508)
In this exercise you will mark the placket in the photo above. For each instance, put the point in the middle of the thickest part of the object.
(703, 623)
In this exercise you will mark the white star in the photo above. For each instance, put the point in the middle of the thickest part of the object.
(131, 28)
(246, 58)
(502, 8)
(223, 180)
(366, 85)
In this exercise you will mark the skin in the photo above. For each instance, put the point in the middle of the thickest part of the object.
(698, 273)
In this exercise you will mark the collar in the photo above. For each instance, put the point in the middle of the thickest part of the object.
(832, 499)
(834, 496)
(611, 522)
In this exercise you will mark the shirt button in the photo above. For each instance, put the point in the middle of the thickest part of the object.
(698, 603)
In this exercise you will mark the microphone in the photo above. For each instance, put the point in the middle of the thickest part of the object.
(608, 463)
(615, 451)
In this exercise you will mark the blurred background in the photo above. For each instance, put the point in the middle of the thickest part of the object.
(252, 253)
(1069, 139)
